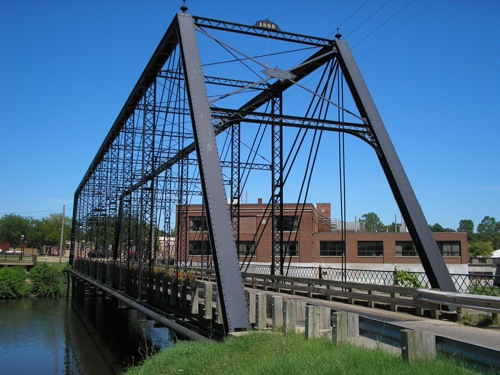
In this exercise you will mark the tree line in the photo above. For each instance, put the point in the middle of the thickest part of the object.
(482, 240)
(36, 233)
(33, 233)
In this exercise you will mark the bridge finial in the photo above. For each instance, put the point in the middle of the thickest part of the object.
(184, 6)
(338, 35)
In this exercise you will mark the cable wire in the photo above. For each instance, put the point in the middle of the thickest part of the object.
(369, 17)
(352, 15)
(383, 23)
(398, 29)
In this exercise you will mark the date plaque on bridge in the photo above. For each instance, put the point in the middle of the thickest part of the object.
(266, 24)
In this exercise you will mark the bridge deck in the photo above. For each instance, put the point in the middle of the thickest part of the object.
(482, 336)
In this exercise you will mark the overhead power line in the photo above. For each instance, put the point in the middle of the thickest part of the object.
(32, 212)
(352, 15)
(398, 29)
(369, 17)
(383, 23)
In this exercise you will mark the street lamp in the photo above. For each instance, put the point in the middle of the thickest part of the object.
(22, 246)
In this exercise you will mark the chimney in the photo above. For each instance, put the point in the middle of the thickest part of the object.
(324, 211)
(259, 200)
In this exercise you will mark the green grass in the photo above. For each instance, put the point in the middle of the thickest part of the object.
(267, 353)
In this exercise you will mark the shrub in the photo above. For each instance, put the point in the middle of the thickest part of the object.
(48, 281)
(12, 282)
(406, 278)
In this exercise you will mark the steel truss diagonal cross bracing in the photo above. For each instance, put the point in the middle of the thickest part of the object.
(219, 111)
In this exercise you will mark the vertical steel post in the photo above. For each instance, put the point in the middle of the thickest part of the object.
(236, 181)
(277, 191)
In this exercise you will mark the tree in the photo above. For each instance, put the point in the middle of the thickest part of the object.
(37, 233)
(487, 229)
(12, 227)
(372, 222)
(439, 228)
(481, 249)
(51, 229)
(466, 226)
(393, 227)
(496, 241)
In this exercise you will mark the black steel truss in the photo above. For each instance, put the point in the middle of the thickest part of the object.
(165, 151)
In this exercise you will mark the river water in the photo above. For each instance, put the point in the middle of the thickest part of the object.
(60, 336)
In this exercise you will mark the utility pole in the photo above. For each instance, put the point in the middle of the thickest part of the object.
(62, 234)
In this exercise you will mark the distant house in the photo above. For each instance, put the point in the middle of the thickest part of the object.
(166, 249)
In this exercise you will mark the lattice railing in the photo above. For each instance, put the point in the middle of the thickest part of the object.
(474, 284)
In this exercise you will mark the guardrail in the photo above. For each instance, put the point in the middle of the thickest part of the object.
(390, 334)
(472, 301)
(392, 296)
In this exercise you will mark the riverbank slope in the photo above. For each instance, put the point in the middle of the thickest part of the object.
(274, 353)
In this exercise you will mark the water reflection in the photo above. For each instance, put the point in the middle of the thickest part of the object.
(92, 337)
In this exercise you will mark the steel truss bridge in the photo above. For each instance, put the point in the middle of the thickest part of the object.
(222, 108)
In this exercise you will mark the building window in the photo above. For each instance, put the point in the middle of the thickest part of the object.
(198, 223)
(287, 223)
(370, 248)
(331, 248)
(199, 248)
(290, 249)
(246, 248)
(405, 249)
(449, 248)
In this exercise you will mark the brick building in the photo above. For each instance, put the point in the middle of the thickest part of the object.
(311, 239)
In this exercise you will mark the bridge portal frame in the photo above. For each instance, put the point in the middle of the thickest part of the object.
(182, 33)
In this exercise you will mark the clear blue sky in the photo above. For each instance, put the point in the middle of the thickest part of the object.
(432, 67)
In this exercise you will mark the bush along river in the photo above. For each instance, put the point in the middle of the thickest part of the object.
(65, 336)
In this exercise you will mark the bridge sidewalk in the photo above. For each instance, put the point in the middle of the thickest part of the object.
(483, 336)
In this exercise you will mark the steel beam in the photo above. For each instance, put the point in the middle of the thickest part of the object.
(229, 281)
(426, 245)
(277, 218)
(260, 32)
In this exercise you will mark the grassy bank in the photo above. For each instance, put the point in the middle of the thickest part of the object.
(265, 353)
